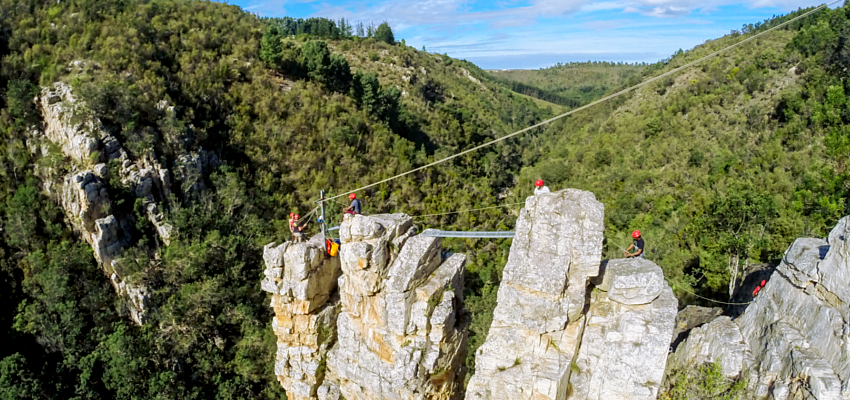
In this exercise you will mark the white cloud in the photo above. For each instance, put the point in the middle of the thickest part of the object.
(267, 7)
(514, 28)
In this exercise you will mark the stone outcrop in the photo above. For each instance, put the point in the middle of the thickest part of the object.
(392, 329)
(190, 170)
(538, 319)
(560, 330)
(691, 317)
(82, 188)
(83, 139)
(302, 278)
(791, 342)
(401, 335)
(627, 333)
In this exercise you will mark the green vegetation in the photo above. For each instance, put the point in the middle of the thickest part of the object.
(706, 382)
(572, 84)
(719, 167)
(286, 116)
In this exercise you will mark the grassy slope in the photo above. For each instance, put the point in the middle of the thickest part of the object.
(581, 81)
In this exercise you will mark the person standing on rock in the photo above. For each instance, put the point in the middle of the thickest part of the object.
(297, 229)
(354, 208)
(539, 188)
(291, 222)
(637, 245)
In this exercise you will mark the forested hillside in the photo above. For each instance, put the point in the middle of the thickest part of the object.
(571, 84)
(725, 164)
(720, 166)
(284, 116)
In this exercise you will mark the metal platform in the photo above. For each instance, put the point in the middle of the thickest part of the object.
(468, 234)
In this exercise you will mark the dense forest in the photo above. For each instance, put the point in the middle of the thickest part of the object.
(720, 167)
(571, 84)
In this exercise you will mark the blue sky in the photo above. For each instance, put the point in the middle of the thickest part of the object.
(532, 34)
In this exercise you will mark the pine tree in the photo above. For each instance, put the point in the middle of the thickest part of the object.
(385, 34)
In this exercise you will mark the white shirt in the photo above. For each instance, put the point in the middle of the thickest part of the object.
(544, 189)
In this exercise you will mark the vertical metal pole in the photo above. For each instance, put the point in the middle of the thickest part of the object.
(322, 205)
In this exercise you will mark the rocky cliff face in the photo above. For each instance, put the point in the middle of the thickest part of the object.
(792, 341)
(627, 332)
(302, 278)
(81, 185)
(553, 336)
(393, 331)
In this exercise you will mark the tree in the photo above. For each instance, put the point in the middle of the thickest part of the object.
(339, 74)
(271, 49)
(317, 59)
(385, 34)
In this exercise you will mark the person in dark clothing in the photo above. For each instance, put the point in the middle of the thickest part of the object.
(354, 208)
(637, 245)
(298, 229)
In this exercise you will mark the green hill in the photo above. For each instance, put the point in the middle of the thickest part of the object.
(719, 166)
(571, 84)
(286, 116)
(723, 165)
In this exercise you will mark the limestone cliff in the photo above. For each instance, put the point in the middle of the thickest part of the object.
(80, 184)
(567, 324)
(392, 331)
(301, 278)
(792, 341)
(553, 336)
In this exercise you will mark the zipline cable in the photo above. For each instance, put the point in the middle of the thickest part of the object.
(575, 110)
(465, 211)
(712, 300)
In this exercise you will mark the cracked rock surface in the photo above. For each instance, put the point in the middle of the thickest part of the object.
(391, 329)
(401, 335)
(623, 350)
(792, 341)
(302, 278)
(538, 320)
(553, 336)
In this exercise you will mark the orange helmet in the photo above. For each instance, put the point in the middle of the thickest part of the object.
(352, 196)
(538, 183)
(636, 234)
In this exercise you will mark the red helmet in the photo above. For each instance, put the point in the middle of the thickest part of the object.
(352, 196)
(539, 182)
(291, 215)
(636, 234)
(755, 292)
(296, 216)
(763, 283)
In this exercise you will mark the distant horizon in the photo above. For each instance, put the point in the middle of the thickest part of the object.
(536, 34)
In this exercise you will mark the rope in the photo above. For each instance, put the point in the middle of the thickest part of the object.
(464, 211)
(712, 300)
(575, 110)
(310, 213)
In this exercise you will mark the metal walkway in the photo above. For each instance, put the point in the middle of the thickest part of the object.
(461, 234)
(471, 234)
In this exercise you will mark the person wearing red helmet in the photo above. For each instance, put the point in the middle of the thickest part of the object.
(637, 245)
(539, 188)
(297, 229)
(354, 208)
(291, 222)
